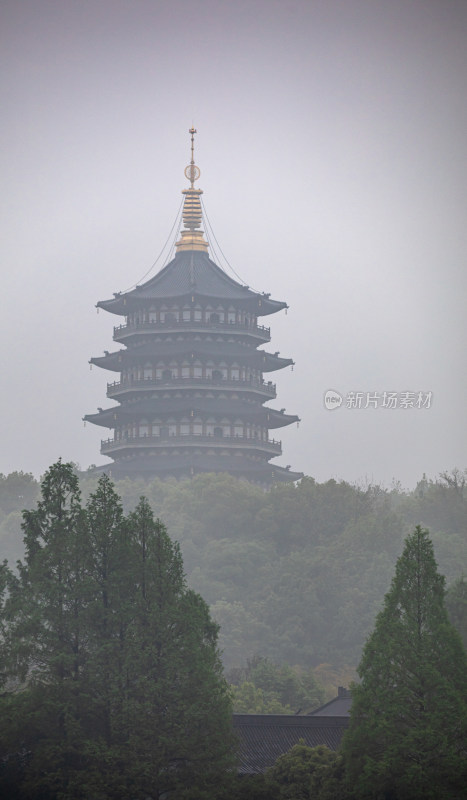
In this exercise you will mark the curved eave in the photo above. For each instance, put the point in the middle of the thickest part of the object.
(191, 274)
(277, 419)
(260, 359)
(270, 362)
(191, 465)
(189, 407)
(123, 304)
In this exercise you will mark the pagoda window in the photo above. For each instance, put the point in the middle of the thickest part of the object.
(218, 431)
(210, 424)
(172, 426)
(186, 315)
(221, 315)
(235, 372)
(197, 426)
(198, 314)
(143, 428)
(238, 429)
(152, 316)
(164, 432)
(184, 427)
(147, 372)
(185, 371)
(231, 315)
(198, 370)
(156, 429)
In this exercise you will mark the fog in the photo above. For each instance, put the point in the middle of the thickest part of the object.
(333, 154)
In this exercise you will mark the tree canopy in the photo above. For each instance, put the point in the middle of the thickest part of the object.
(263, 687)
(295, 574)
(112, 683)
(408, 730)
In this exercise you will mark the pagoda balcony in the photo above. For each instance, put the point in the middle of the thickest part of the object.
(123, 387)
(123, 332)
(191, 440)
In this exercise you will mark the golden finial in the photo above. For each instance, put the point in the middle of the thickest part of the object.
(191, 238)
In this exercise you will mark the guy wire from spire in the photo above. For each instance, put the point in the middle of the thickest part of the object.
(210, 242)
(178, 216)
(174, 243)
(220, 248)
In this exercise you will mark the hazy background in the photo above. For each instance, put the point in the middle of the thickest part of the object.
(332, 144)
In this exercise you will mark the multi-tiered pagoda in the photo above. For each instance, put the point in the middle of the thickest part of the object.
(191, 391)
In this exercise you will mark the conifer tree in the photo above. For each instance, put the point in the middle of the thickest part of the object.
(113, 685)
(407, 735)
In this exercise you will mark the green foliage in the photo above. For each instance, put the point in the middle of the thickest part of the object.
(409, 716)
(456, 604)
(113, 685)
(266, 688)
(308, 773)
(18, 490)
(295, 574)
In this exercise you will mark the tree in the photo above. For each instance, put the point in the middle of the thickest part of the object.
(113, 686)
(407, 735)
(456, 604)
(308, 773)
(266, 688)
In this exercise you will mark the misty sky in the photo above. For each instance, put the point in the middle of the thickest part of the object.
(333, 149)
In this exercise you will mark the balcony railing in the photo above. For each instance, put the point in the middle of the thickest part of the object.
(259, 331)
(192, 440)
(117, 387)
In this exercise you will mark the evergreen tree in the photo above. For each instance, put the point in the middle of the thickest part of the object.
(456, 604)
(308, 773)
(407, 735)
(113, 687)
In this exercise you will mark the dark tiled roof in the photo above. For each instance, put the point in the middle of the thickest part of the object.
(191, 273)
(194, 464)
(264, 737)
(204, 406)
(226, 351)
(337, 707)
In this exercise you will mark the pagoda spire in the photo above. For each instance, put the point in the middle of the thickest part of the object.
(190, 237)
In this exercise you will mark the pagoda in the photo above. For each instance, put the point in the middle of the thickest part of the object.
(191, 391)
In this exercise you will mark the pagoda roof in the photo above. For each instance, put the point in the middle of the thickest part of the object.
(190, 406)
(230, 351)
(261, 471)
(191, 273)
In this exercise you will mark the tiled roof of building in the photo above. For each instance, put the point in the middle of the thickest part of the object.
(191, 273)
(181, 465)
(264, 737)
(193, 406)
(229, 351)
(337, 707)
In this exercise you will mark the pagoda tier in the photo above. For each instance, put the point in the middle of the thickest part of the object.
(190, 350)
(192, 407)
(191, 394)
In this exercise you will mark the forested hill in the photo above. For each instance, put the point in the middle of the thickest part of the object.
(297, 574)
